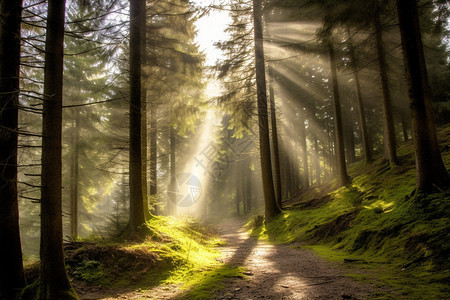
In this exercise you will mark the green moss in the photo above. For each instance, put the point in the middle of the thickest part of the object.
(180, 252)
(402, 240)
(89, 271)
(205, 285)
(32, 292)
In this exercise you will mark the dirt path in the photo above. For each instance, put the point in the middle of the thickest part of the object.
(280, 272)
(272, 272)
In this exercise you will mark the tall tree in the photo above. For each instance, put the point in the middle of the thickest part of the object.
(75, 178)
(153, 160)
(303, 145)
(271, 207)
(11, 270)
(359, 99)
(344, 179)
(430, 169)
(137, 217)
(276, 152)
(389, 129)
(172, 199)
(53, 281)
(144, 139)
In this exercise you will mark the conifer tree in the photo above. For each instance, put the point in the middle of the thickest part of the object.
(430, 170)
(11, 269)
(53, 281)
(137, 216)
(271, 207)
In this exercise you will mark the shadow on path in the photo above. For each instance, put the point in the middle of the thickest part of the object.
(280, 272)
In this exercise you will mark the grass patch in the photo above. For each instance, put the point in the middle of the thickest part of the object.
(179, 252)
(204, 285)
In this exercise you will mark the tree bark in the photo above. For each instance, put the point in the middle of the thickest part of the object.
(11, 269)
(271, 207)
(237, 198)
(359, 99)
(137, 217)
(389, 129)
(362, 119)
(74, 178)
(350, 140)
(303, 144)
(153, 165)
(171, 203)
(285, 176)
(430, 169)
(144, 77)
(276, 152)
(248, 189)
(316, 160)
(53, 283)
(344, 179)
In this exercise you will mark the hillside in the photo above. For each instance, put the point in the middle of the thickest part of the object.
(400, 239)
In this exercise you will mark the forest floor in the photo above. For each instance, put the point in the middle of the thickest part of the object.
(269, 272)
(282, 272)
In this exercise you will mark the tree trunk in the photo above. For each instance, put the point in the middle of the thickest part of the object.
(54, 283)
(294, 175)
(344, 179)
(285, 178)
(11, 269)
(244, 192)
(350, 140)
(137, 217)
(362, 119)
(271, 207)
(144, 145)
(74, 178)
(153, 165)
(317, 160)
(171, 203)
(389, 129)
(276, 152)
(359, 99)
(237, 198)
(248, 190)
(144, 148)
(430, 169)
(303, 144)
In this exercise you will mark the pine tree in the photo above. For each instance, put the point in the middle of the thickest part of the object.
(271, 207)
(137, 217)
(430, 170)
(344, 179)
(53, 281)
(11, 270)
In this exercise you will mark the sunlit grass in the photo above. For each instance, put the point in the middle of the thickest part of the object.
(180, 252)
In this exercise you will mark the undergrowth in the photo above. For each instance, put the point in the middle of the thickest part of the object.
(376, 223)
(180, 252)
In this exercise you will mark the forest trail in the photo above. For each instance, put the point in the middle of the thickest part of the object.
(271, 272)
(281, 272)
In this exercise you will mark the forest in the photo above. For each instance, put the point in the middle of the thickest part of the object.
(224, 149)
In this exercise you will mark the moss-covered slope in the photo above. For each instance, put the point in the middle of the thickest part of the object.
(376, 221)
(180, 253)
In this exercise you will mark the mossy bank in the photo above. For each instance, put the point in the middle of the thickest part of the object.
(181, 253)
(401, 239)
